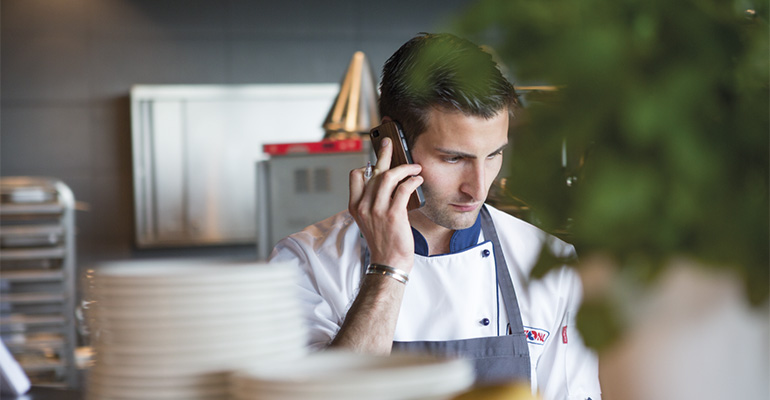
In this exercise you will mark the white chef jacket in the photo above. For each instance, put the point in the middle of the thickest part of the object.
(455, 296)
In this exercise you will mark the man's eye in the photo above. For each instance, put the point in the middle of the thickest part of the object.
(452, 160)
(491, 156)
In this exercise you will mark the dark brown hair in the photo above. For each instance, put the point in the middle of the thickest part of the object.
(441, 71)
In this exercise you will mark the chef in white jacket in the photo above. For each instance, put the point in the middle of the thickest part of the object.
(452, 277)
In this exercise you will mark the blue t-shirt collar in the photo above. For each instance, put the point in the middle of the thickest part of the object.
(461, 239)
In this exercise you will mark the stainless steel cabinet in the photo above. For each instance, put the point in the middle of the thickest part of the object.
(194, 149)
(37, 277)
(298, 189)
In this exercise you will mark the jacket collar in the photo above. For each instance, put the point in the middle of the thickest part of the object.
(461, 239)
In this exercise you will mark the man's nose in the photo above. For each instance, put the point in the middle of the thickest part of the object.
(474, 183)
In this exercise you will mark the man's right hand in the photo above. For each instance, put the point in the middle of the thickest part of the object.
(379, 207)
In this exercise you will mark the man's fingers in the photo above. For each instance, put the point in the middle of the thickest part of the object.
(404, 190)
(378, 194)
(385, 155)
(357, 185)
(388, 184)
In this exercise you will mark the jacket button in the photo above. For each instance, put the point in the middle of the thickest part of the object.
(485, 253)
(485, 321)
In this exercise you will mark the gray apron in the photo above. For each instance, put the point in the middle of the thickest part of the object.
(497, 359)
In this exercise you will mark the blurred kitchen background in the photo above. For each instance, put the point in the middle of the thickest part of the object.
(670, 218)
(68, 67)
(198, 84)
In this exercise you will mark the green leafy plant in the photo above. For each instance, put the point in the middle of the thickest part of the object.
(656, 144)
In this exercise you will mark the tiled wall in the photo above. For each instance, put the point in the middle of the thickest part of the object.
(66, 67)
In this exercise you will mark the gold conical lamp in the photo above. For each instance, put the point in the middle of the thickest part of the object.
(354, 111)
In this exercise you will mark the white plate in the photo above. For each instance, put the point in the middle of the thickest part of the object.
(259, 326)
(193, 300)
(192, 336)
(174, 272)
(257, 279)
(365, 379)
(196, 363)
(183, 349)
(242, 285)
(97, 396)
(188, 278)
(199, 335)
(206, 309)
(346, 374)
(279, 290)
(268, 358)
(225, 300)
(247, 394)
(195, 380)
(174, 316)
(200, 361)
(387, 391)
(321, 367)
(140, 392)
(287, 289)
(163, 311)
(186, 351)
(101, 394)
(419, 387)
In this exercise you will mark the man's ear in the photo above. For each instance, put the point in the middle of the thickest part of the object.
(386, 119)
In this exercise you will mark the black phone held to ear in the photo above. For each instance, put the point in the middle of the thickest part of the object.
(401, 154)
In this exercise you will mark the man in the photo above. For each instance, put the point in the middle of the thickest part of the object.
(452, 277)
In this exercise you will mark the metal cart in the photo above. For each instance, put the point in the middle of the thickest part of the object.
(37, 277)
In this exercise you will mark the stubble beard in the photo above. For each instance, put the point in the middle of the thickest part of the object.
(442, 214)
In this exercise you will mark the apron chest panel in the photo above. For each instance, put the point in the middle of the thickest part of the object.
(459, 288)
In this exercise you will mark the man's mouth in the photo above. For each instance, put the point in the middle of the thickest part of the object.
(464, 207)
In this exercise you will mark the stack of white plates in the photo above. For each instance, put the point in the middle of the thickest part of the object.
(335, 375)
(174, 330)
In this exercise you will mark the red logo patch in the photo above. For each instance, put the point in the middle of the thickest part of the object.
(564, 334)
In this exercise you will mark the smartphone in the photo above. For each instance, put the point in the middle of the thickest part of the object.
(401, 154)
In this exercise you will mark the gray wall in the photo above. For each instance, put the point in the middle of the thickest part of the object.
(67, 67)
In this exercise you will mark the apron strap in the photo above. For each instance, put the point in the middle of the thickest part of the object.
(505, 281)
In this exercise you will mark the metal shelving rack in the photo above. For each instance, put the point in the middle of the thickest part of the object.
(37, 277)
